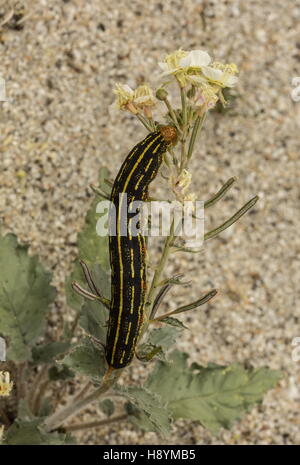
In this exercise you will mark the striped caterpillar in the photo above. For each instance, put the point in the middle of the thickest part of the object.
(127, 252)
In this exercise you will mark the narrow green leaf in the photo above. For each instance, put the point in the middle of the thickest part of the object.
(233, 219)
(203, 300)
(220, 194)
(173, 322)
(94, 314)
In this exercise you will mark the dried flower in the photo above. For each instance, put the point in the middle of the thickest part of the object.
(125, 96)
(135, 101)
(180, 185)
(5, 384)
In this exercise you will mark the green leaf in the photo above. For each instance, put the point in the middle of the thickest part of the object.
(145, 409)
(60, 372)
(87, 359)
(47, 353)
(25, 295)
(173, 322)
(157, 342)
(164, 337)
(107, 407)
(147, 352)
(28, 433)
(214, 395)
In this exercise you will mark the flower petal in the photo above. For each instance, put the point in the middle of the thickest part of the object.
(195, 58)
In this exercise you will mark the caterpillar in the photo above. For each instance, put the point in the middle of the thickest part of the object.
(128, 252)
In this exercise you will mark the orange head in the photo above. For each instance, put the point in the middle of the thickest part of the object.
(169, 133)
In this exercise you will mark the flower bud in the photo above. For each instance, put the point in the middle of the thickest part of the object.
(161, 94)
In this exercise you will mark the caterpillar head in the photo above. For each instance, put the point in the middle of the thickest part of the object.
(169, 133)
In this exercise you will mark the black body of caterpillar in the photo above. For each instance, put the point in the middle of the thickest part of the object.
(127, 252)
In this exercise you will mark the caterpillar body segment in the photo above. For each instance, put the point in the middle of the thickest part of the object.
(128, 251)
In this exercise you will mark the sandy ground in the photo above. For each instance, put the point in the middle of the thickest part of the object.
(56, 131)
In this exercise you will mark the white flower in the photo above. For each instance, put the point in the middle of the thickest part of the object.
(184, 64)
(195, 59)
(180, 60)
(221, 75)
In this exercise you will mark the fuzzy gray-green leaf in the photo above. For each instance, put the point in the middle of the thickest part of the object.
(25, 296)
(28, 433)
(164, 337)
(86, 359)
(214, 395)
(146, 410)
(47, 353)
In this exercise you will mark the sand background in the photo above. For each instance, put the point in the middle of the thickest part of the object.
(56, 130)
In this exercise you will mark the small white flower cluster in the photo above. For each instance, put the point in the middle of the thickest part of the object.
(193, 70)
(206, 78)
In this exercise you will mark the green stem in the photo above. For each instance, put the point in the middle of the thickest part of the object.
(173, 115)
(75, 406)
(184, 110)
(145, 122)
(96, 424)
(160, 268)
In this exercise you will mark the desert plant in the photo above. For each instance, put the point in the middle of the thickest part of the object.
(213, 395)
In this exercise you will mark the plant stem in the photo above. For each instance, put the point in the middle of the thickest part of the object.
(184, 110)
(145, 122)
(75, 406)
(96, 424)
(160, 267)
(37, 401)
(38, 382)
(83, 391)
(173, 115)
